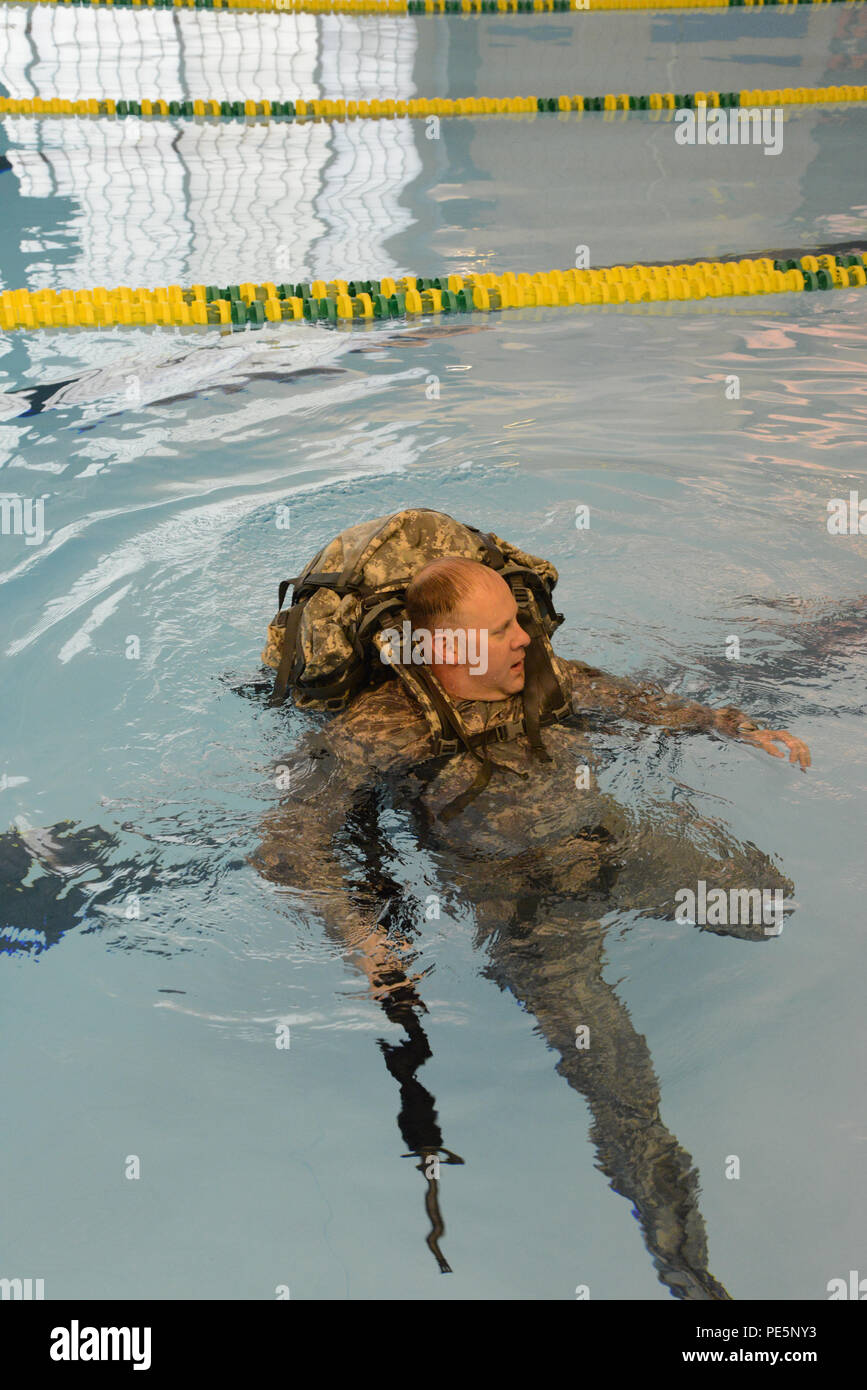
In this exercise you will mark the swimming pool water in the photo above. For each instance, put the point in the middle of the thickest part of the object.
(162, 460)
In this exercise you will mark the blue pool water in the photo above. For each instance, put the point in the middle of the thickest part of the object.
(162, 459)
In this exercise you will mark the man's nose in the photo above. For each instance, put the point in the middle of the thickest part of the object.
(522, 638)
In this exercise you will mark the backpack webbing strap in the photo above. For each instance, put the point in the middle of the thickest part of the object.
(372, 620)
(495, 557)
(444, 710)
(540, 686)
(448, 721)
(283, 586)
(483, 777)
(345, 681)
(288, 658)
(329, 579)
(451, 720)
(532, 697)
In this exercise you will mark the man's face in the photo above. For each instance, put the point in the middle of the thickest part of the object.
(491, 615)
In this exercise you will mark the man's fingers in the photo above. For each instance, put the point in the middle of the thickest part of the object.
(766, 743)
(798, 750)
(765, 739)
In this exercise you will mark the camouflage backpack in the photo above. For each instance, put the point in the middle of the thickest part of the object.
(327, 645)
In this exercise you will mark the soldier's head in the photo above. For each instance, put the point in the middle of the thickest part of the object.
(476, 642)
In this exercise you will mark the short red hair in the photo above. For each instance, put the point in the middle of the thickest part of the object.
(441, 588)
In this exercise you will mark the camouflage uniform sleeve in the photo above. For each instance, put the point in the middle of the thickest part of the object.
(382, 731)
(645, 702)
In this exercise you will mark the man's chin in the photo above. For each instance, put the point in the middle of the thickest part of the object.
(511, 683)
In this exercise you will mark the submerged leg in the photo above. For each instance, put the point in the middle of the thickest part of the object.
(553, 965)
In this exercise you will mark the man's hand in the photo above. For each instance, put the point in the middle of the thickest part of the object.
(766, 738)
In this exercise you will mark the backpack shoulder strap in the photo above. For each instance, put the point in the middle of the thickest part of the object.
(289, 655)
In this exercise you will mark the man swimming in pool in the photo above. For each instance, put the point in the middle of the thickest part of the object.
(540, 855)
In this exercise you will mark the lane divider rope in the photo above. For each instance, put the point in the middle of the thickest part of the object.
(337, 301)
(428, 7)
(321, 109)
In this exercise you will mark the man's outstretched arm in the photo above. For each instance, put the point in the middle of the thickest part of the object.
(647, 703)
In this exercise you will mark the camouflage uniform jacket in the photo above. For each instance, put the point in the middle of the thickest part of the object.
(529, 823)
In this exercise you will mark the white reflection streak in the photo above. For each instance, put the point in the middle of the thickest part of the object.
(80, 640)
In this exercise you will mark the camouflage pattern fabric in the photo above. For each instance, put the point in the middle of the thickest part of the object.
(541, 861)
